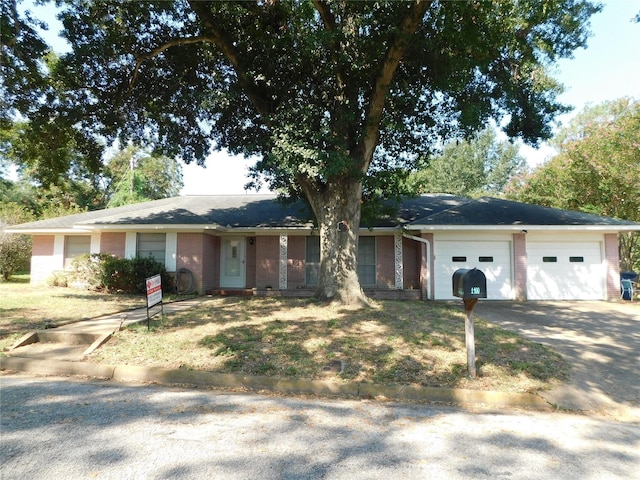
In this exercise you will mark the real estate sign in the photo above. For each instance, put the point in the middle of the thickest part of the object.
(154, 290)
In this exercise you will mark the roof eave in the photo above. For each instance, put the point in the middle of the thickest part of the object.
(521, 227)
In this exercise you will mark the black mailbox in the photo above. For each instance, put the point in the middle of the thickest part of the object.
(469, 283)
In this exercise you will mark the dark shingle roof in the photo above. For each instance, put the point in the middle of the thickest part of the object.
(265, 211)
(495, 211)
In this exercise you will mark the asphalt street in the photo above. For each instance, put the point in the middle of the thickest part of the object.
(54, 428)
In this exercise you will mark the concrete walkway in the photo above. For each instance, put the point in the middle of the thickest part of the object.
(71, 342)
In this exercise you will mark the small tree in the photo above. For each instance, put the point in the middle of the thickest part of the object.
(15, 250)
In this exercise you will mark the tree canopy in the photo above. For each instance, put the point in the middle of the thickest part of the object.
(333, 97)
(482, 165)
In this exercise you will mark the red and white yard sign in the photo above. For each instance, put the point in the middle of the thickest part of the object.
(154, 290)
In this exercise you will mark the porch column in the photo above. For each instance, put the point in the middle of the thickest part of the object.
(282, 278)
(399, 268)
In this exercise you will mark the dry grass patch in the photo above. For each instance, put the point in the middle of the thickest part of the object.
(24, 308)
(393, 342)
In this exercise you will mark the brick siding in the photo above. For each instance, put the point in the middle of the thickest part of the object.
(296, 255)
(267, 261)
(113, 244)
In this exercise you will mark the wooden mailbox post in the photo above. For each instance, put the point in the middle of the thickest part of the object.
(470, 285)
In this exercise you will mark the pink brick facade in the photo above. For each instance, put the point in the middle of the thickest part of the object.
(385, 259)
(412, 261)
(296, 253)
(113, 243)
(267, 261)
(200, 253)
(42, 245)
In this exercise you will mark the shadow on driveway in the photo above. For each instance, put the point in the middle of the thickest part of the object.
(600, 339)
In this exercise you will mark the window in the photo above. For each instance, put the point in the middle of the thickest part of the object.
(459, 259)
(152, 245)
(312, 261)
(549, 259)
(74, 246)
(367, 261)
(576, 259)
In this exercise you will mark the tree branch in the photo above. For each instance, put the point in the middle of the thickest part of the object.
(216, 36)
(157, 51)
(388, 67)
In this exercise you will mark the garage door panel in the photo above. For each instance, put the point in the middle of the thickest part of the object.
(492, 257)
(565, 271)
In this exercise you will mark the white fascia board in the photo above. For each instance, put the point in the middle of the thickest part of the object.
(302, 230)
(529, 228)
(147, 227)
(48, 231)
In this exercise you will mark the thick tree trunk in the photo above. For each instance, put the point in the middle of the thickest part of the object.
(337, 210)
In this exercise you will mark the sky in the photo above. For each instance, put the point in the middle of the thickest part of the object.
(609, 68)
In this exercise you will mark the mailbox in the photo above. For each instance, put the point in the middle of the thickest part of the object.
(469, 283)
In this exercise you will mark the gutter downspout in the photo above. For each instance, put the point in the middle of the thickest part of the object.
(428, 258)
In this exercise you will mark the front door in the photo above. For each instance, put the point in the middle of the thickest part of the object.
(232, 265)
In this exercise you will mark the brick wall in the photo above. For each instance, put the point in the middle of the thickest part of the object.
(112, 243)
(385, 260)
(296, 254)
(612, 263)
(43, 262)
(190, 255)
(412, 260)
(520, 266)
(42, 245)
(267, 261)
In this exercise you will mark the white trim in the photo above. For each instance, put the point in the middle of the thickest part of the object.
(95, 244)
(131, 245)
(526, 228)
(57, 259)
(171, 251)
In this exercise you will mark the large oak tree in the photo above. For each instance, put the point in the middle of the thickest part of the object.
(332, 96)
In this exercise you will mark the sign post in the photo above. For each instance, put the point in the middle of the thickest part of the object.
(154, 296)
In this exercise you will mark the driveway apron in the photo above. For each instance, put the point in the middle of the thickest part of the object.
(601, 340)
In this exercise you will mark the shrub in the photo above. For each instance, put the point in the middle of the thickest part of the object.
(101, 271)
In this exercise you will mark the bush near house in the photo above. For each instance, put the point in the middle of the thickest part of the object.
(113, 274)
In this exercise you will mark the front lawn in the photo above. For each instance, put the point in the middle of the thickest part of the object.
(407, 343)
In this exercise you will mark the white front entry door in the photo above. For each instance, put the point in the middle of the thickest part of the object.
(232, 264)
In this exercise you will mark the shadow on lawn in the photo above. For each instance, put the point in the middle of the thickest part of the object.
(394, 343)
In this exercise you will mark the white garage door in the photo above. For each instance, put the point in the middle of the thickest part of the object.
(565, 271)
(492, 257)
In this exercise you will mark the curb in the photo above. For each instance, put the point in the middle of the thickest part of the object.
(162, 376)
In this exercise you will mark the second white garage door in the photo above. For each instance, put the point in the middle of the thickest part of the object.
(492, 257)
(565, 271)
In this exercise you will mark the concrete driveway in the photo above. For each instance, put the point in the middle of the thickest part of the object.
(600, 339)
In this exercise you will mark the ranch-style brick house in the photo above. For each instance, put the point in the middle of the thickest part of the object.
(255, 244)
